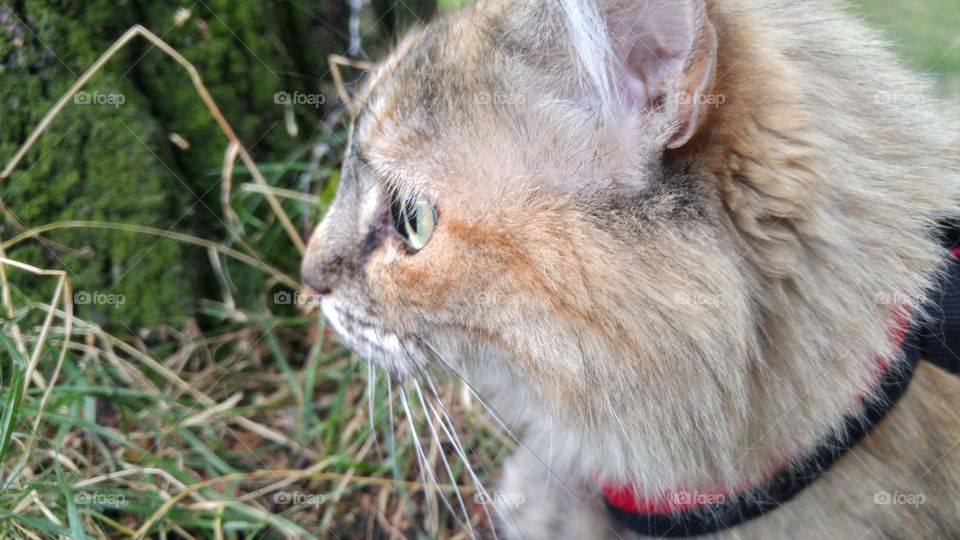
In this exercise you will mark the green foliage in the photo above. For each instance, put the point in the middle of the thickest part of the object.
(99, 162)
(11, 401)
(111, 159)
(924, 33)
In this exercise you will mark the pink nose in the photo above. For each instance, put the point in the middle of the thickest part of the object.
(313, 288)
(310, 291)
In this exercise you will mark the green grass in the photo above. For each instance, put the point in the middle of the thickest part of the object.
(190, 434)
(223, 422)
(258, 427)
(925, 33)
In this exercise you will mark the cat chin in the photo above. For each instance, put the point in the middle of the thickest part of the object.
(570, 453)
(381, 346)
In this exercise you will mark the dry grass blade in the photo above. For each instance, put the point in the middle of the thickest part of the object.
(130, 34)
(114, 415)
(335, 61)
(61, 293)
(243, 257)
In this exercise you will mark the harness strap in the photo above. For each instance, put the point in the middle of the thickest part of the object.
(934, 336)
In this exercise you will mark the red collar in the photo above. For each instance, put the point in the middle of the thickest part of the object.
(683, 513)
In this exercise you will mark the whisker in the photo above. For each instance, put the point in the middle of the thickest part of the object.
(392, 440)
(452, 436)
(371, 390)
(473, 391)
(509, 432)
(421, 458)
(446, 463)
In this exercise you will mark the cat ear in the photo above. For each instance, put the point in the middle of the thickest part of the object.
(664, 61)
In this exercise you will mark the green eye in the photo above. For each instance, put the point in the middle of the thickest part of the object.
(414, 218)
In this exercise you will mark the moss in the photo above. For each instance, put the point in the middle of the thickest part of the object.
(116, 162)
(97, 162)
(247, 53)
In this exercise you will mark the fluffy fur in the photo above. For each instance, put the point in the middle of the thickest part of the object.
(674, 267)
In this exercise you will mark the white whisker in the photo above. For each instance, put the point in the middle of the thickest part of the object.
(446, 463)
(371, 390)
(458, 448)
(422, 459)
(392, 441)
(451, 434)
(489, 408)
(473, 391)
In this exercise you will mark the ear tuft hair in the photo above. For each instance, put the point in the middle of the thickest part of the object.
(591, 46)
(645, 56)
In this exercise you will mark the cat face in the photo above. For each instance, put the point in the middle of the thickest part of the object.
(541, 227)
(659, 227)
(638, 224)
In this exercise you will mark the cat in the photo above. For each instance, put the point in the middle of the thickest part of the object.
(675, 243)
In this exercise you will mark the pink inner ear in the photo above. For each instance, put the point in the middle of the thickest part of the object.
(654, 40)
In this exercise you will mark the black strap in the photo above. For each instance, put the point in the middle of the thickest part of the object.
(935, 338)
(788, 482)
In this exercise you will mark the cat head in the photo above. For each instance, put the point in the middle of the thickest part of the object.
(617, 206)
(505, 187)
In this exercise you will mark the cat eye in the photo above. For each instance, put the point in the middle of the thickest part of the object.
(414, 219)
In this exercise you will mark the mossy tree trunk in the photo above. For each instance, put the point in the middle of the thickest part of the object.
(118, 154)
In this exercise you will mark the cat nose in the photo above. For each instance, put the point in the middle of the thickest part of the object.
(315, 269)
(314, 286)
(332, 254)
(322, 271)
